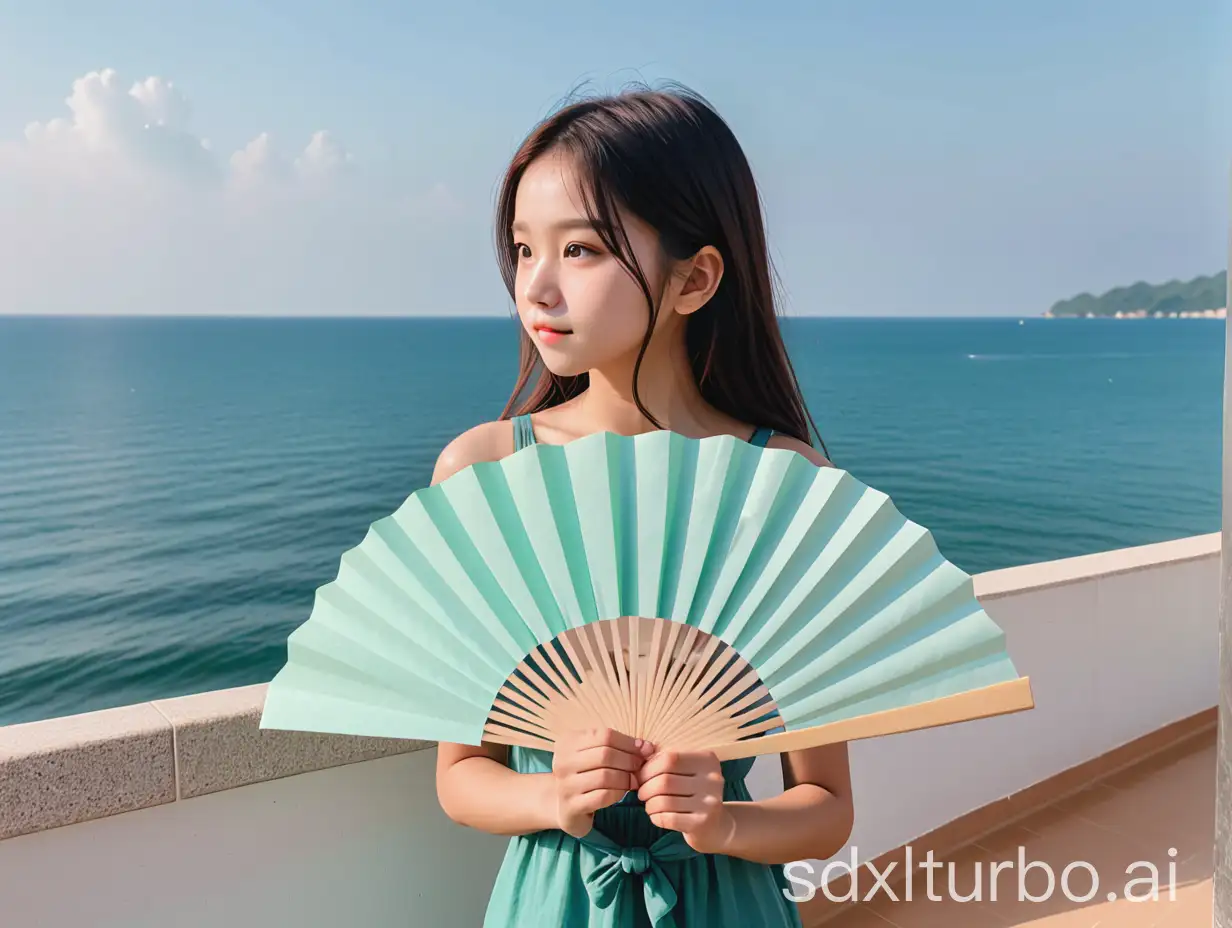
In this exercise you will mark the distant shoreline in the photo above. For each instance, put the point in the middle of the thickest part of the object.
(1199, 298)
(1221, 313)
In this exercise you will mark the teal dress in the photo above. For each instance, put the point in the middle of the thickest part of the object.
(627, 872)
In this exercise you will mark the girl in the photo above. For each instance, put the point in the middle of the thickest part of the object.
(630, 237)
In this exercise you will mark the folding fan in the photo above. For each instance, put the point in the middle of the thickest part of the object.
(697, 593)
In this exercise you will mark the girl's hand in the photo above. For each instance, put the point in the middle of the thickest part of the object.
(683, 791)
(593, 769)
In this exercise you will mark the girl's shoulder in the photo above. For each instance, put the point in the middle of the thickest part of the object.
(488, 441)
(779, 440)
(491, 441)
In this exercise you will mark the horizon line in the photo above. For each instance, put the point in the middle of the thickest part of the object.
(465, 316)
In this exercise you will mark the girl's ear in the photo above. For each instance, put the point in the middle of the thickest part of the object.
(702, 274)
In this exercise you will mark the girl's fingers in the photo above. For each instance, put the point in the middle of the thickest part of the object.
(603, 778)
(608, 738)
(604, 756)
(667, 784)
(677, 821)
(667, 762)
(674, 804)
(685, 763)
(598, 799)
(599, 747)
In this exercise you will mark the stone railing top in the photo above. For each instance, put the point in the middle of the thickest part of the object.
(80, 767)
(1027, 577)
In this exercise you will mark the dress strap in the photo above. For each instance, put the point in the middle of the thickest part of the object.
(761, 436)
(523, 432)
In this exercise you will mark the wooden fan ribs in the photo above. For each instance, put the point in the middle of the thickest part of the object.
(686, 702)
(638, 676)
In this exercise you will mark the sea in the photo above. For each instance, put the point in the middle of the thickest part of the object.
(174, 490)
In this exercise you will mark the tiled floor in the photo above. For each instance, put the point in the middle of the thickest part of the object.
(1160, 812)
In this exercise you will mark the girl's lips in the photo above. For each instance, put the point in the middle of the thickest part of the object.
(550, 336)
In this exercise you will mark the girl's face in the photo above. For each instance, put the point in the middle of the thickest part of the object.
(579, 305)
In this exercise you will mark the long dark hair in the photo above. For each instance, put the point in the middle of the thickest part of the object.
(667, 157)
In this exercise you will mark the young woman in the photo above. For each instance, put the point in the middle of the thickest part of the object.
(630, 236)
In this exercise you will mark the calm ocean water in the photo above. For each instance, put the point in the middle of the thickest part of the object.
(172, 492)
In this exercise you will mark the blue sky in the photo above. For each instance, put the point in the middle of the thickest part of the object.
(944, 158)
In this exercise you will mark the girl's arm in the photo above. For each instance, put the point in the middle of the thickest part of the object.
(811, 819)
(591, 769)
(476, 788)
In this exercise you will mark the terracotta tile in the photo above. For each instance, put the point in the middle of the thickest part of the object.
(1163, 760)
(1081, 917)
(1121, 914)
(966, 903)
(1006, 839)
(1039, 822)
(1196, 767)
(1174, 809)
(1191, 908)
(840, 901)
(944, 914)
(1198, 867)
(1148, 766)
(1117, 861)
(858, 916)
(1089, 795)
(1066, 808)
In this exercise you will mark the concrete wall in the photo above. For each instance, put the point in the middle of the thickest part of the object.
(180, 813)
(364, 844)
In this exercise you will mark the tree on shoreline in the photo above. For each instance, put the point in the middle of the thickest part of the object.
(1175, 296)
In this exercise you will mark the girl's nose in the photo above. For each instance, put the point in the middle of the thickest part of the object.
(541, 286)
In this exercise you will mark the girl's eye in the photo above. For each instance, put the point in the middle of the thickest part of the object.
(575, 250)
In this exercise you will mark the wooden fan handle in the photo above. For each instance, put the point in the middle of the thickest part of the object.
(997, 699)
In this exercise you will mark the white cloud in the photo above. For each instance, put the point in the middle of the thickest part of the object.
(323, 157)
(257, 162)
(121, 206)
(145, 127)
(163, 103)
(115, 133)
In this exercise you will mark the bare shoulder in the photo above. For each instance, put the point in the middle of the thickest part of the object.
(795, 444)
(488, 441)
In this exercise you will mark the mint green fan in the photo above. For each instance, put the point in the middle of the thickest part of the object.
(699, 593)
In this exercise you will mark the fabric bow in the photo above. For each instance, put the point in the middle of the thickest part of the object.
(609, 864)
